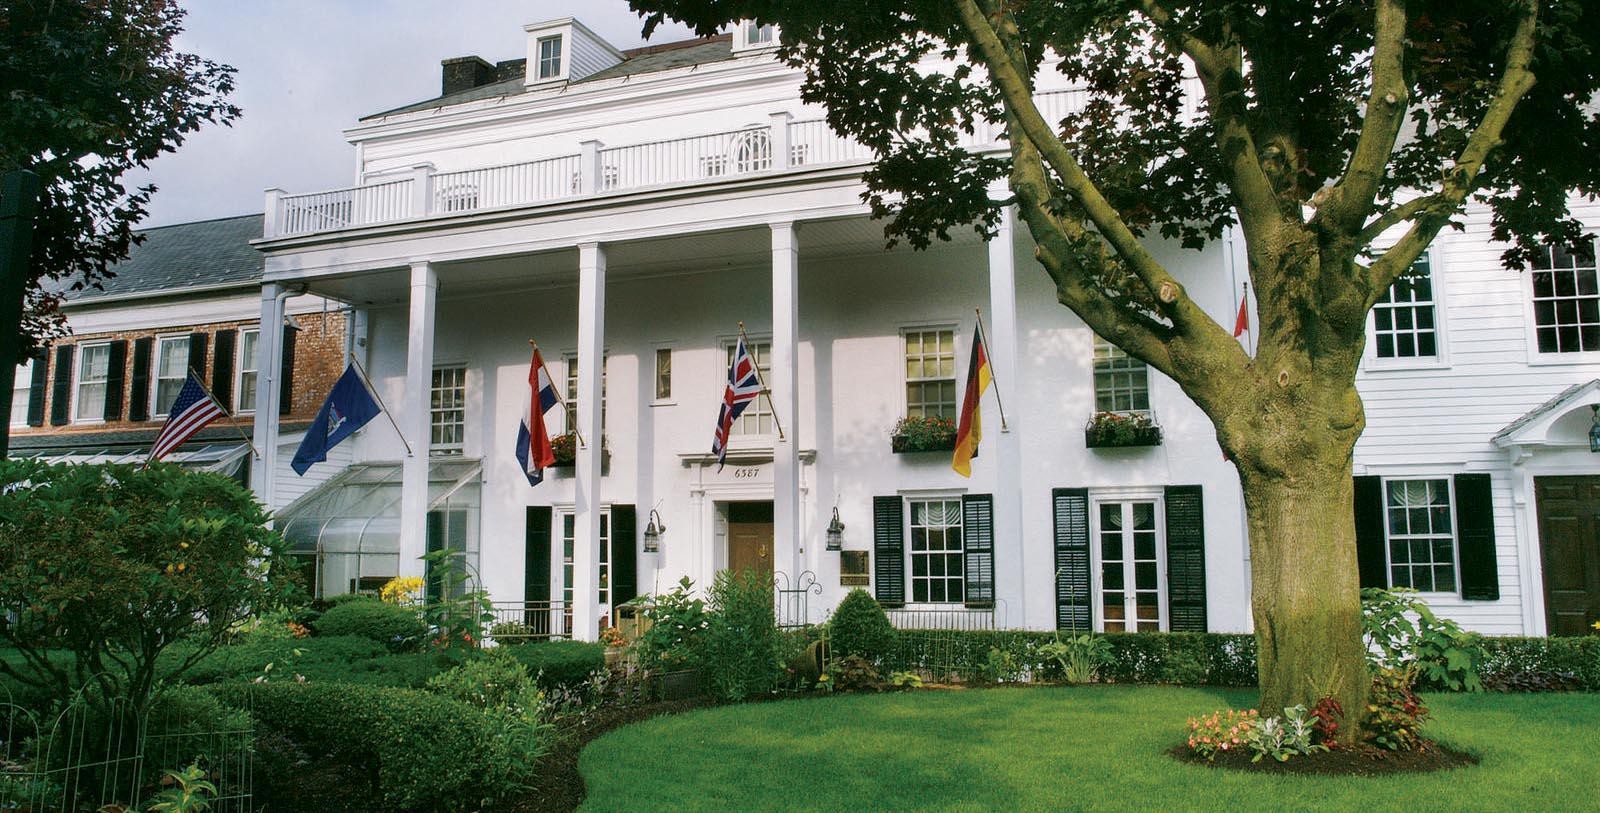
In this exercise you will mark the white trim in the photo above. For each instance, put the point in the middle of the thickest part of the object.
(23, 381)
(1440, 360)
(1124, 495)
(155, 369)
(656, 399)
(240, 406)
(905, 528)
(1530, 323)
(955, 369)
(78, 357)
(447, 449)
(1455, 533)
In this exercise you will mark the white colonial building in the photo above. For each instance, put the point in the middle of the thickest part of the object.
(628, 210)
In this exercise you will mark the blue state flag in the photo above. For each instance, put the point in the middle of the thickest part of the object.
(349, 407)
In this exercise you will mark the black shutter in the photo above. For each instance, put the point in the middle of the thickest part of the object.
(116, 377)
(536, 557)
(1480, 571)
(36, 388)
(61, 391)
(1071, 509)
(197, 353)
(139, 394)
(889, 551)
(624, 556)
(286, 373)
(1186, 559)
(977, 521)
(1370, 557)
(222, 369)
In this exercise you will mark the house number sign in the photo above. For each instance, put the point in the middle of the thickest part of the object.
(746, 473)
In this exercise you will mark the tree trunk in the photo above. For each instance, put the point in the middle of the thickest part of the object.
(1306, 591)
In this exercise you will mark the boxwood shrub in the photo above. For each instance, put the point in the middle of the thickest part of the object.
(559, 663)
(333, 746)
(1540, 664)
(1189, 658)
(399, 628)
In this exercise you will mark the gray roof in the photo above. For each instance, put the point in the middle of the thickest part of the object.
(1539, 411)
(122, 439)
(207, 253)
(636, 61)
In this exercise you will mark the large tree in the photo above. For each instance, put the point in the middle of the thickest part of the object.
(1321, 125)
(91, 90)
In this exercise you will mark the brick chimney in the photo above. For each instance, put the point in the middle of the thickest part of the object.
(465, 73)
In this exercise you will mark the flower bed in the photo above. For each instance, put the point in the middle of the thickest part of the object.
(923, 435)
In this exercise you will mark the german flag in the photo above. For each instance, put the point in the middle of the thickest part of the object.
(970, 428)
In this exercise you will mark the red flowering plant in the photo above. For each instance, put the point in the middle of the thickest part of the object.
(1114, 429)
(919, 434)
(565, 448)
(1222, 731)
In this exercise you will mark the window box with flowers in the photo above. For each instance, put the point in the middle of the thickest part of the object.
(923, 435)
(565, 448)
(1119, 430)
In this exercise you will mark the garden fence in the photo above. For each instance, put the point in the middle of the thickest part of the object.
(939, 656)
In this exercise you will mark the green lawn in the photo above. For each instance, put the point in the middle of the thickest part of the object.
(1084, 748)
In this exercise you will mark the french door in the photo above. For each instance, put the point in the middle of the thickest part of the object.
(1130, 568)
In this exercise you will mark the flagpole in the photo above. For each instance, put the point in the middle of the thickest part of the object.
(236, 426)
(557, 390)
(373, 391)
(1249, 327)
(765, 393)
(997, 401)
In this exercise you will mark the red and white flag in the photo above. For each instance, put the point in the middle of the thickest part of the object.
(1241, 323)
(193, 409)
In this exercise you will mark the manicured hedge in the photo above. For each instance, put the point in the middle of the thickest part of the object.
(399, 628)
(332, 746)
(559, 663)
(1537, 664)
(342, 658)
(1189, 658)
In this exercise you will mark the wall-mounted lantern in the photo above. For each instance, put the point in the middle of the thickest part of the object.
(652, 533)
(835, 531)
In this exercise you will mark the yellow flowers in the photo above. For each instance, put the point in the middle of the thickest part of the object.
(402, 590)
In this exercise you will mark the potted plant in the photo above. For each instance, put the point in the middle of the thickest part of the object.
(1115, 430)
(565, 448)
(671, 647)
(917, 434)
(616, 646)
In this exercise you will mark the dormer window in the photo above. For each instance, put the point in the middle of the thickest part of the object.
(753, 36)
(549, 57)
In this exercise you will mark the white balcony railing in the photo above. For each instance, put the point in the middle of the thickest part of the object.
(780, 145)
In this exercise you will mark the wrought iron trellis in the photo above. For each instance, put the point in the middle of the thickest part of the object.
(943, 651)
(793, 603)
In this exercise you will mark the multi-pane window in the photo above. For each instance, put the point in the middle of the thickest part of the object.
(1422, 544)
(447, 410)
(937, 571)
(1121, 382)
(757, 417)
(19, 393)
(172, 369)
(930, 374)
(249, 364)
(1403, 320)
(549, 57)
(1566, 300)
(568, 535)
(1130, 566)
(757, 34)
(663, 373)
(571, 394)
(94, 368)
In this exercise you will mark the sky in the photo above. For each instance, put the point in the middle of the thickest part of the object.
(309, 68)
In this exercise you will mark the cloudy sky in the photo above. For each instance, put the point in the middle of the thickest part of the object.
(310, 68)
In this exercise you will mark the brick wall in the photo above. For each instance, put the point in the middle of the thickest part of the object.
(318, 361)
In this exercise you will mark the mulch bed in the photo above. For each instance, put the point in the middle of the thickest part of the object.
(1365, 760)
(558, 787)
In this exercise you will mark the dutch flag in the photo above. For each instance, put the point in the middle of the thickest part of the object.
(533, 439)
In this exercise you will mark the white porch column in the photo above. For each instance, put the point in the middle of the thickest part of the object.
(414, 420)
(784, 382)
(586, 492)
(269, 366)
(1002, 325)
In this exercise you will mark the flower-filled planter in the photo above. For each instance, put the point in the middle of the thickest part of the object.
(923, 435)
(1117, 430)
(565, 447)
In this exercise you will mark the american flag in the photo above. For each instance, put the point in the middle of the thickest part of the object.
(190, 413)
(744, 386)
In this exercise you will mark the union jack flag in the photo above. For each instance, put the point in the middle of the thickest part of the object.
(744, 386)
(193, 409)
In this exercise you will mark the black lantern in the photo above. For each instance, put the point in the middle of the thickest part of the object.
(1594, 429)
(835, 531)
(653, 531)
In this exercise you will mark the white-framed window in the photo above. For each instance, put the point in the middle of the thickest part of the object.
(172, 369)
(1121, 382)
(248, 366)
(447, 410)
(569, 524)
(549, 57)
(935, 550)
(930, 373)
(571, 394)
(94, 370)
(1404, 322)
(756, 420)
(757, 34)
(1421, 532)
(663, 377)
(1130, 565)
(1566, 300)
(21, 387)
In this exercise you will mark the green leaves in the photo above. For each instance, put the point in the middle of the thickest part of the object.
(1403, 633)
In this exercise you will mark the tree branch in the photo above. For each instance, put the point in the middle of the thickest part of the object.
(1515, 83)
(1399, 214)
(1348, 202)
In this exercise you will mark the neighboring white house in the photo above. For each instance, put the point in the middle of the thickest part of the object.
(629, 210)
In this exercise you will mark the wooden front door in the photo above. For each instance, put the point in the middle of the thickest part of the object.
(750, 537)
(1569, 541)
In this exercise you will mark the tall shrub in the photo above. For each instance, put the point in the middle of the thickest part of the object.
(860, 627)
(741, 639)
(114, 563)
